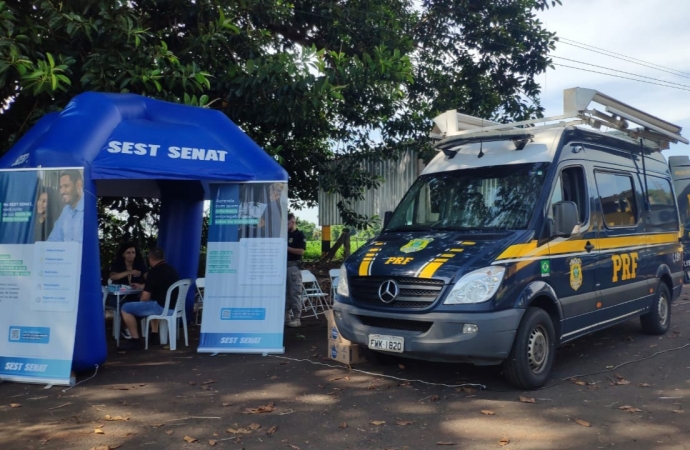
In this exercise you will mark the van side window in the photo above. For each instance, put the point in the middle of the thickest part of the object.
(662, 205)
(617, 195)
(570, 187)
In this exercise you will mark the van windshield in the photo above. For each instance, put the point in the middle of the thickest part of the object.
(483, 198)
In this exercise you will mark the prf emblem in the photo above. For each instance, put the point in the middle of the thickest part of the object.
(624, 265)
(415, 245)
(575, 273)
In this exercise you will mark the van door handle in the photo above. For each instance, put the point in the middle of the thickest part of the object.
(589, 247)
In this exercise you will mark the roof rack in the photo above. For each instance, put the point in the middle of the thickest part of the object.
(453, 128)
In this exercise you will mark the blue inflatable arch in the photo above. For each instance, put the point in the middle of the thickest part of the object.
(133, 146)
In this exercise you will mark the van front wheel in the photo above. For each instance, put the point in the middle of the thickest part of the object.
(531, 359)
(658, 320)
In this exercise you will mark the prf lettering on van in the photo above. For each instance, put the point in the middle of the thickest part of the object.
(398, 260)
(624, 265)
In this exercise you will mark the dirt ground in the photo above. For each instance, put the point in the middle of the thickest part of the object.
(614, 389)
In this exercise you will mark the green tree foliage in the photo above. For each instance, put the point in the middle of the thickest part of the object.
(305, 79)
(307, 228)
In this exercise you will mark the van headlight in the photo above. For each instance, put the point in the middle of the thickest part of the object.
(477, 286)
(343, 288)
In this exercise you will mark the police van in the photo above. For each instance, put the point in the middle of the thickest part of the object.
(519, 237)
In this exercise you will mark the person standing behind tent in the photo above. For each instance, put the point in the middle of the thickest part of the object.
(296, 245)
(46, 212)
(70, 225)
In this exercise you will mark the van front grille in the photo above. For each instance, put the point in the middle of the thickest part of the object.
(412, 292)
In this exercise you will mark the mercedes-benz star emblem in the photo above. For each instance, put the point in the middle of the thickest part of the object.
(388, 291)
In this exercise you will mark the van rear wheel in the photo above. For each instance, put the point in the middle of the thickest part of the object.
(658, 320)
(532, 355)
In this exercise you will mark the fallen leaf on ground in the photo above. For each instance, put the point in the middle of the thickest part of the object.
(372, 387)
(293, 446)
(644, 385)
(225, 404)
(254, 426)
(238, 430)
(343, 425)
(578, 382)
(272, 430)
(169, 432)
(584, 423)
(527, 399)
(212, 442)
(434, 398)
(156, 425)
(402, 423)
(504, 441)
(678, 411)
(377, 422)
(98, 431)
(261, 409)
(630, 409)
(209, 382)
(445, 443)
(622, 382)
(116, 418)
(107, 447)
(190, 439)
(15, 405)
(402, 367)
(488, 412)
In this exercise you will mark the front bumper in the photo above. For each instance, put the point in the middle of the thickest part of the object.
(444, 339)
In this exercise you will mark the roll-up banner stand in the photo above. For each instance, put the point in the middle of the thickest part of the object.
(246, 261)
(41, 228)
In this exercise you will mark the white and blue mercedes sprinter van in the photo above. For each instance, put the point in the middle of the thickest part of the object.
(520, 237)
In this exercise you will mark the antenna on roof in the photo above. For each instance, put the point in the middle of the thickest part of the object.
(453, 128)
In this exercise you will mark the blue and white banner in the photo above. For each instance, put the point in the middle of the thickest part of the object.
(41, 226)
(244, 299)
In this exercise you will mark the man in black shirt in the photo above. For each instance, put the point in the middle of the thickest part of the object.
(297, 244)
(161, 276)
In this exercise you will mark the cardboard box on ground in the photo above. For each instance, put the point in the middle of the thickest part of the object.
(339, 348)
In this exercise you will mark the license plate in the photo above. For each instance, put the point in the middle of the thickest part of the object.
(387, 343)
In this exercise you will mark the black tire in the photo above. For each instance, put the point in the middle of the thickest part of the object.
(532, 355)
(658, 320)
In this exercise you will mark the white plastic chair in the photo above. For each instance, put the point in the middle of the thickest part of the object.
(171, 315)
(200, 289)
(312, 295)
(335, 277)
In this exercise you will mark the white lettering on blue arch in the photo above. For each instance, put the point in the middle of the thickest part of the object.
(174, 152)
(196, 153)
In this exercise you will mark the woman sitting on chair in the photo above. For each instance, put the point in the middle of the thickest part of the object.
(128, 267)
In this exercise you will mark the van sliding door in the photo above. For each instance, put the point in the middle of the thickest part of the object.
(625, 255)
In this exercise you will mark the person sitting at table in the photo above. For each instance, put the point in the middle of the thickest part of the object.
(161, 276)
(128, 267)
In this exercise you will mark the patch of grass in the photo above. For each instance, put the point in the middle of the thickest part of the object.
(313, 252)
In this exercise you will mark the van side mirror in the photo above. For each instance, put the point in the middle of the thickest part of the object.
(565, 218)
(387, 217)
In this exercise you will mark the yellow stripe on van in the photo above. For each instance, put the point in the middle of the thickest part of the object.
(530, 249)
(467, 243)
(457, 250)
(430, 268)
(447, 255)
(519, 250)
